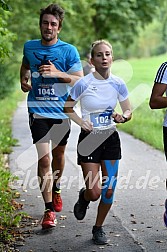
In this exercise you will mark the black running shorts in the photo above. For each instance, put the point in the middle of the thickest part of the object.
(45, 129)
(94, 147)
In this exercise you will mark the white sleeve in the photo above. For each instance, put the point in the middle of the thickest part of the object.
(123, 92)
(78, 89)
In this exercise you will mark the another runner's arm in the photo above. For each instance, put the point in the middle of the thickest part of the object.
(25, 77)
(126, 110)
(69, 111)
(157, 100)
(51, 71)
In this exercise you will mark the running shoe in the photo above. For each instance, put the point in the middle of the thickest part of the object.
(57, 201)
(99, 236)
(49, 219)
(165, 214)
(81, 206)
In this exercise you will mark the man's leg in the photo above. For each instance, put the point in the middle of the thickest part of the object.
(58, 162)
(60, 134)
(44, 172)
(45, 182)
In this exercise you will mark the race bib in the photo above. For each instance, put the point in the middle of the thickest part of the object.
(102, 120)
(45, 92)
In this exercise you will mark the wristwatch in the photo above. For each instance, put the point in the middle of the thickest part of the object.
(125, 118)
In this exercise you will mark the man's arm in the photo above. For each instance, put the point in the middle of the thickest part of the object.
(25, 77)
(52, 72)
(157, 100)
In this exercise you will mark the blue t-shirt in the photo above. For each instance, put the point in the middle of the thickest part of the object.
(48, 95)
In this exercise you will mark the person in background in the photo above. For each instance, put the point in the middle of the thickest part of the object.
(98, 149)
(87, 66)
(158, 100)
(49, 67)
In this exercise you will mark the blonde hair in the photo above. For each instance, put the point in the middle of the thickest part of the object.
(99, 42)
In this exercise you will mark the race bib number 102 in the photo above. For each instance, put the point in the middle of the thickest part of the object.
(101, 119)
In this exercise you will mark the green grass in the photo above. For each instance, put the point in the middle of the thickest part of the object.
(8, 216)
(146, 124)
(7, 108)
(144, 69)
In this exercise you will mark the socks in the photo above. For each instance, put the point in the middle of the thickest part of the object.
(49, 206)
(56, 188)
(82, 197)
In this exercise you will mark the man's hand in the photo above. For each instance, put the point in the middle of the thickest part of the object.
(25, 75)
(25, 86)
(49, 71)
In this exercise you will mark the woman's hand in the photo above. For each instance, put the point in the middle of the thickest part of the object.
(87, 126)
(119, 118)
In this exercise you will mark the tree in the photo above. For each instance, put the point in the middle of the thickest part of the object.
(77, 25)
(86, 20)
(6, 36)
(119, 20)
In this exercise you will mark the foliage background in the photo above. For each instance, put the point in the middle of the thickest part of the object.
(131, 26)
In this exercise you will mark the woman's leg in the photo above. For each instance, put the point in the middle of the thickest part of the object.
(92, 181)
(92, 191)
(109, 177)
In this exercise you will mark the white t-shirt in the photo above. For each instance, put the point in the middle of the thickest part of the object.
(98, 96)
(161, 77)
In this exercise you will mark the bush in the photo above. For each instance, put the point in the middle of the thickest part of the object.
(7, 81)
(160, 49)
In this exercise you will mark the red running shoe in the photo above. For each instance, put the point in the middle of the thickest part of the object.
(49, 219)
(57, 201)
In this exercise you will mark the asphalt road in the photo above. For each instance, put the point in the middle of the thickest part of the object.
(135, 222)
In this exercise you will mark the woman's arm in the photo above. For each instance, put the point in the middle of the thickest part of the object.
(126, 110)
(70, 112)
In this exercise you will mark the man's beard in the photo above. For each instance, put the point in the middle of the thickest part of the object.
(47, 39)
